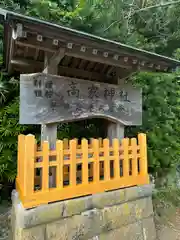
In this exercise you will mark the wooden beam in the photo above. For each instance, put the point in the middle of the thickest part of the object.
(83, 74)
(83, 64)
(11, 51)
(123, 60)
(98, 59)
(36, 54)
(46, 45)
(110, 70)
(40, 46)
(65, 36)
(75, 62)
(31, 66)
(26, 66)
(66, 61)
(54, 61)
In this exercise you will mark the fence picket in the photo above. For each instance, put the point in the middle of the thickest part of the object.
(106, 160)
(45, 164)
(29, 161)
(143, 154)
(116, 146)
(85, 173)
(60, 161)
(100, 142)
(73, 147)
(66, 143)
(96, 171)
(134, 157)
(21, 157)
(125, 145)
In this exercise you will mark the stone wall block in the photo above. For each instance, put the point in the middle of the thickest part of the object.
(91, 223)
(43, 214)
(149, 231)
(35, 233)
(146, 190)
(108, 198)
(133, 193)
(57, 230)
(77, 206)
(143, 208)
(119, 215)
(129, 232)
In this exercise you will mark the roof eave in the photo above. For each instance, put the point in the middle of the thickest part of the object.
(7, 16)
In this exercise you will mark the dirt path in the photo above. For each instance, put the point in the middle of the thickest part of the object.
(167, 224)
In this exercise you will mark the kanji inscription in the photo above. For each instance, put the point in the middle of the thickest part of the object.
(47, 99)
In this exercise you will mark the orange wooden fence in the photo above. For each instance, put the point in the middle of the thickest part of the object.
(73, 170)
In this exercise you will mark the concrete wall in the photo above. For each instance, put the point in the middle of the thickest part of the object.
(125, 214)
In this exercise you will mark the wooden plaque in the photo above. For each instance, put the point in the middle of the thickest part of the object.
(47, 99)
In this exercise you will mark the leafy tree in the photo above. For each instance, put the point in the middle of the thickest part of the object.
(161, 94)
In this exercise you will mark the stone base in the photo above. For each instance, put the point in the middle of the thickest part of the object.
(125, 214)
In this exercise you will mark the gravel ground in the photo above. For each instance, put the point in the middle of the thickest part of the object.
(167, 221)
(168, 226)
(5, 210)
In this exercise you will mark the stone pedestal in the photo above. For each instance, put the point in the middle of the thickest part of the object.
(125, 214)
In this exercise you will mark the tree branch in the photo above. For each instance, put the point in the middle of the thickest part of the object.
(145, 9)
(129, 15)
(157, 6)
(111, 25)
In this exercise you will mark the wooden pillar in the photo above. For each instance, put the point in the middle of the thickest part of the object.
(115, 130)
(49, 131)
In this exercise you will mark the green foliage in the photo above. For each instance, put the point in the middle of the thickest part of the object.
(161, 94)
(9, 130)
(156, 29)
(9, 127)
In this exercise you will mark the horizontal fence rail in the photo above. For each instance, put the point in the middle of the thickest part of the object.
(72, 169)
